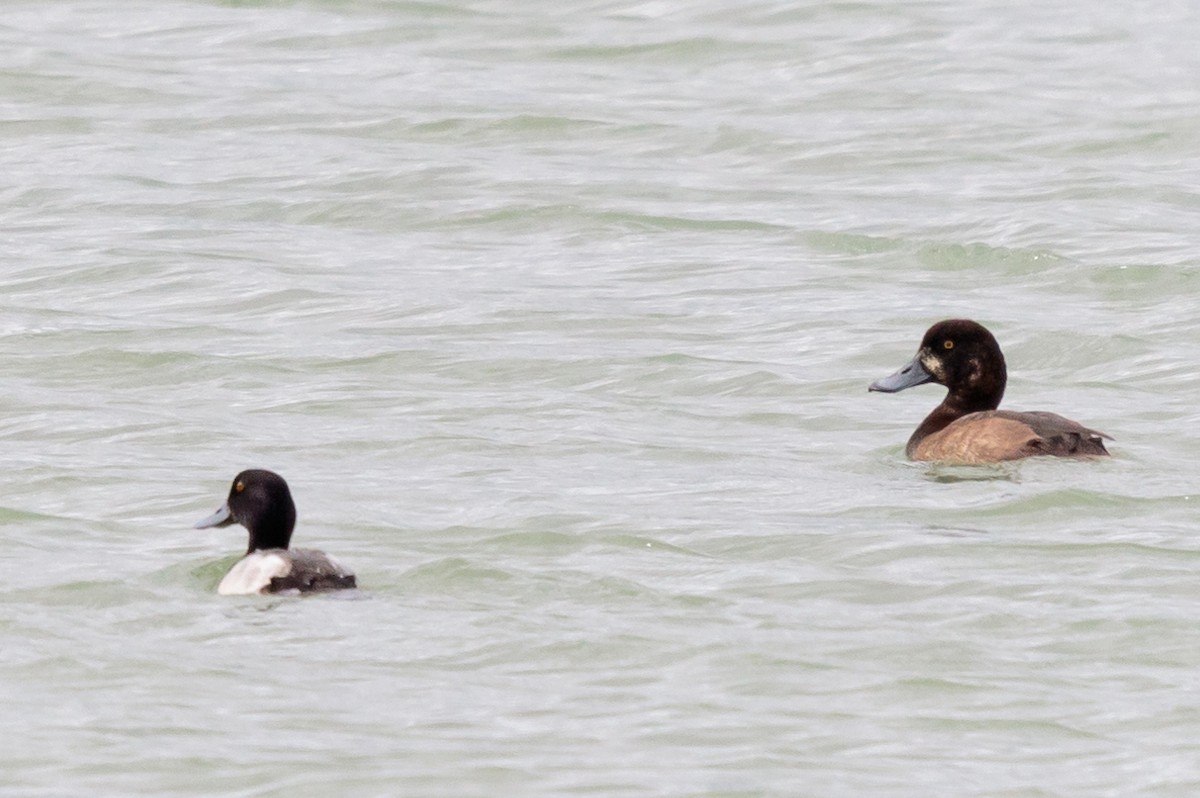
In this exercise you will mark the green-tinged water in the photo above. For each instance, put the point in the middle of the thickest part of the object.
(558, 318)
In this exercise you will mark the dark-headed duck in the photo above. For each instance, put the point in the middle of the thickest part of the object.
(260, 501)
(966, 428)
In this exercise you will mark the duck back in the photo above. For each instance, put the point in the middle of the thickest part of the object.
(996, 435)
(284, 571)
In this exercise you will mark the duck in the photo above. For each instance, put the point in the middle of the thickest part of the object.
(260, 501)
(967, 428)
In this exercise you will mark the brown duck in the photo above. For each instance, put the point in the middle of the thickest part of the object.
(966, 427)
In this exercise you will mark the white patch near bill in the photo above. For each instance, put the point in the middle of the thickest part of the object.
(933, 365)
(254, 572)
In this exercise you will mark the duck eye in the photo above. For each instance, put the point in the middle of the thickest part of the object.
(240, 486)
(947, 344)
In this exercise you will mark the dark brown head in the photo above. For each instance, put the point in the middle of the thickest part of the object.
(260, 501)
(963, 356)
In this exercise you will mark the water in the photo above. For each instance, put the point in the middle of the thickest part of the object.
(559, 318)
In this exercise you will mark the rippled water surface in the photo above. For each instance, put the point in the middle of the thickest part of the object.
(558, 317)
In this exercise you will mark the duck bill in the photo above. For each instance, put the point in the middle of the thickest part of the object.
(912, 374)
(222, 517)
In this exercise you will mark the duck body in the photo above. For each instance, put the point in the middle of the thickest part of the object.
(967, 428)
(261, 501)
(993, 436)
(285, 571)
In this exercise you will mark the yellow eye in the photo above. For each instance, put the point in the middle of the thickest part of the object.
(948, 344)
(240, 486)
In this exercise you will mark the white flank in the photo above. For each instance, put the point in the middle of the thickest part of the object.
(254, 572)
